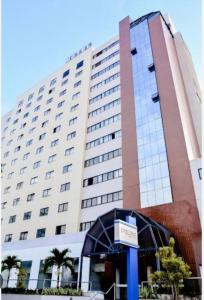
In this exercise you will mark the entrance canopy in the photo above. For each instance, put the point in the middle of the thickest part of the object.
(100, 237)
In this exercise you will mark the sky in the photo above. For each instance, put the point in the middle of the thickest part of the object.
(38, 35)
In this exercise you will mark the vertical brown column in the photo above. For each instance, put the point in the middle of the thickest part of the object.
(180, 217)
(131, 192)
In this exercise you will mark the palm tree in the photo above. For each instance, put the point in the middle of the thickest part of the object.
(9, 263)
(59, 259)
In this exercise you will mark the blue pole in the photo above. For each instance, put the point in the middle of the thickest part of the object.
(132, 268)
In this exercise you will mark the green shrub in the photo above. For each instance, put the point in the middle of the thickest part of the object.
(148, 293)
(61, 291)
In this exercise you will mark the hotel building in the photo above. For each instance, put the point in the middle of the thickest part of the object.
(115, 129)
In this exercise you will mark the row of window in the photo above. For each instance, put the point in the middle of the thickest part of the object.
(102, 199)
(104, 123)
(101, 158)
(102, 177)
(43, 212)
(43, 124)
(104, 94)
(106, 48)
(109, 79)
(41, 137)
(61, 229)
(104, 108)
(104, 139)
(37, 164)
(105, 59)
(105, 70)
(86, 225)
(46, 193)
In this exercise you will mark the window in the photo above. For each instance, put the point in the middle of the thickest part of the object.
(31, 130)
(155, 97)
(7, 189)
(26, 115)
(23, 125)
(17, 149)
(46, 192)
(105, 70)
(30, 197)
(74, 107)
(7, 153)
(47, 112)
(3, 205)
(78, 83)
(16, 201)
(64, 82)
(200, 173)
(49, 174)
(18, 111)
(151, 67)
(134, 51)
(53, 81)
(28, 105)
(22, 170)
(102, 177)
(71, 135)
(75, 96)
(61, 229)
(86, 225)
(62, 93)
(69, 151)
(37, 108)
(5, 129)
(29, 143)
(9, 142)
(78, 73)
(12, 219)
(39, 150)
(23, 235)
(80, 64)
(45, 123)
(13, 130)
(44, 211)
(39, 98)
(40, 232)
(67, 168)
(41, 89)
(102, 199)
(10, 175)
(14, 122)
(57, 129)
(72, 121)
(13, 162)
(63, 207)
(49, 100)
(26, 155)
(104, 94)
(106, 49)
(30, 97)
(34, 180)
(65, 74)
(107, 80)
(103, 157)
(58, 116)
(104, 123)
(8, 238)
(105, 59)
(19, 105)
(54, 143)
(42, 136)
(65, 187)
(27, 215)
(60, 104)
(52, 158)
(103, 139)
(51, 90)
(37, 164)
(34, 119)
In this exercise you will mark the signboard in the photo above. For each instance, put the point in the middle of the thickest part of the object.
(125, 233)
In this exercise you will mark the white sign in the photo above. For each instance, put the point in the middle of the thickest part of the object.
(125, 233)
